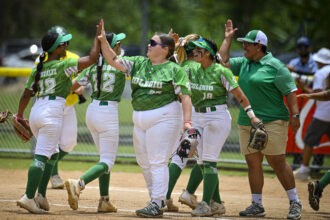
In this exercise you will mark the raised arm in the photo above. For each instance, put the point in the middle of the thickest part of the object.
(226, 43)
(109, 55)
(86, 61)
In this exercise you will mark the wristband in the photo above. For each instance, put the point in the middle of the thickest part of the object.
(246, 109)
(295, 116)
(19, 115)
(250, 113)
(188, 122)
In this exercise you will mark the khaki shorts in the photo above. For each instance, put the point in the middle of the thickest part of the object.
(277, 138)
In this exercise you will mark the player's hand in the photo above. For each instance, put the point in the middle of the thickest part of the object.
(254, 120)
(229, 30)
(304, 96)
(295, 123)
(101, 34)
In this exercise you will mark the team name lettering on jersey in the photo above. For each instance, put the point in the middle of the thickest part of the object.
(201, 87)
(148, 84)
(47, 73)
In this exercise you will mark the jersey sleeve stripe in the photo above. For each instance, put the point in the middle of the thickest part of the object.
(71, 70)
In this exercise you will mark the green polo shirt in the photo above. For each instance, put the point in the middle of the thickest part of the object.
(264, 82)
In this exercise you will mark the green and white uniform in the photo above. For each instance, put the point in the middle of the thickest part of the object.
(209, 89)
(102, 112)
(157, 117)
(46, 115)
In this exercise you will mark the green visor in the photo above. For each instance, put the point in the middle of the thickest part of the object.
(201, 43)
(117, 37)
(60, 39)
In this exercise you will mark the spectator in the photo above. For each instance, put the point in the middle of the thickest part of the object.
(304, 64)
(320, 124)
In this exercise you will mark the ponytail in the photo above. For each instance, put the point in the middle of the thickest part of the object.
(35, 85)
(99, 74)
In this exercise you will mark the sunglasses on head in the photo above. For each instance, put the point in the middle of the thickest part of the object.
(154, 43)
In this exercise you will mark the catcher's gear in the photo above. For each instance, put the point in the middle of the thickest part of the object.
(4, 115)
(188, 143)
(22, 128)
(258, 136)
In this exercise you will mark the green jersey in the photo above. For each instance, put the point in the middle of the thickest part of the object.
(209, 86)
(55, 77)
(154, 86)
(264, 82)
(112, 82)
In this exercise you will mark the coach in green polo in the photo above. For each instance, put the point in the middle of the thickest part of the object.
(265, 80)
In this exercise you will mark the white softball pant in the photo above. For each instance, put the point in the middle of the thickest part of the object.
(69, 133)
(155, 133)
(46, 120)
(214, 128)
(102, 121)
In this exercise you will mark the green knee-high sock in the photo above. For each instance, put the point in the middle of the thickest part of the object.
(94, 172)
(210, 180)
(46, 176)
(104, 181)
(35, 173)
(196, 177)
(325, 180)
(216, 194)
(175, 172)
(60, 156)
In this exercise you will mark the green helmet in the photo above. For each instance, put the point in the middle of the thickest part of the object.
(58, 29)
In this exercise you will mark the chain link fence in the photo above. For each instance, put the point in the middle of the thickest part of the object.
(85, 149)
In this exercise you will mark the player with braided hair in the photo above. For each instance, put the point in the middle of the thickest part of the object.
(210, 82)
(68, 138)
(51, 82)
(102, 121)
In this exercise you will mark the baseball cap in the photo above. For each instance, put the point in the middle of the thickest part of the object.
(255, 36)
(201, 43)
(304, 41)
(60, 39)
(117, 37)
(322, 56)
(58, 29)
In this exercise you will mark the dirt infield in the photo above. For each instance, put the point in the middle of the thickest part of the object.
(128, 193)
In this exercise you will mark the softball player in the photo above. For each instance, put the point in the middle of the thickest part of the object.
(177, 164)
(157, 85)
(68, 138)
(51, 81)
(102, 121)
(209, 85)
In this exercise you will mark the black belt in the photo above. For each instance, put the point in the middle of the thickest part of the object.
(204, 109)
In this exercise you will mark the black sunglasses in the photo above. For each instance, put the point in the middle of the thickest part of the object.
(302, 46)
(154, 43)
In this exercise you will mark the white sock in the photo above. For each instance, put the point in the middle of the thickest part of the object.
(257, 198)
(158, 202)
(292, 195)
(304, 169)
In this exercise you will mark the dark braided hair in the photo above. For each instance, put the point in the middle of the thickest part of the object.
(214, 47)
(47, 42)
(100, 63)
